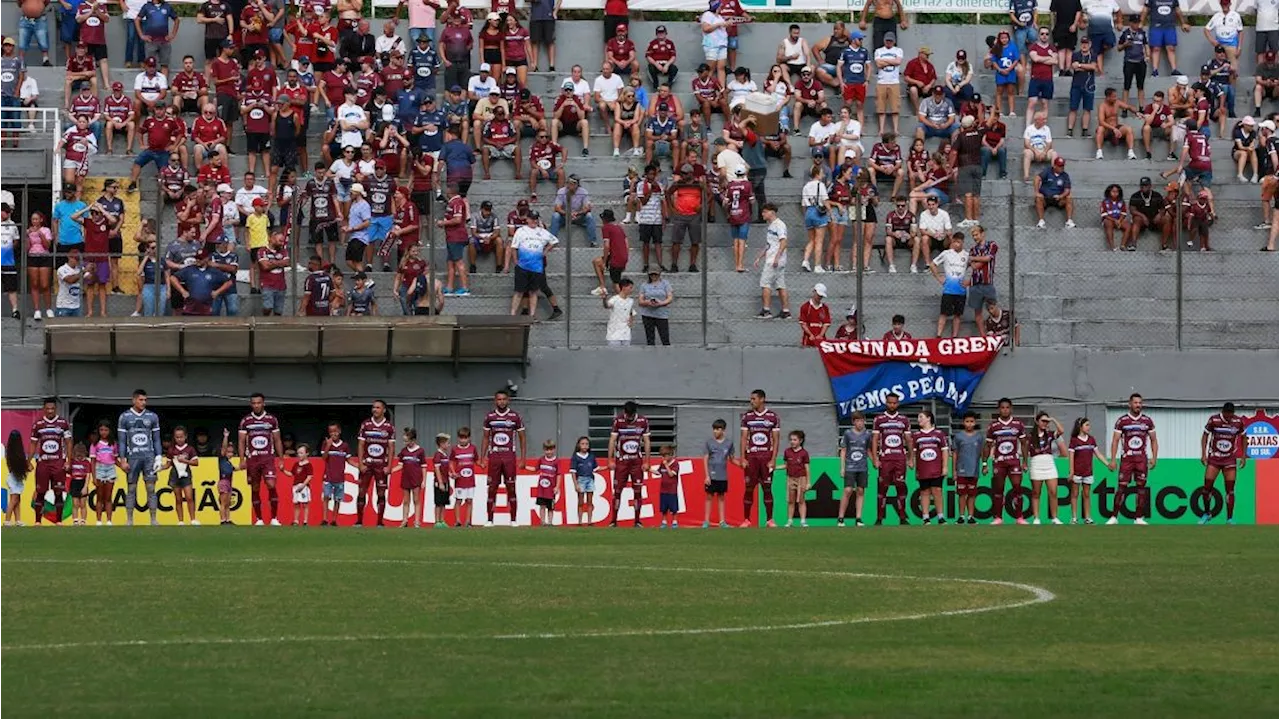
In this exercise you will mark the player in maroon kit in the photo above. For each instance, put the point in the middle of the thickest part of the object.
(629, 457)
(889, 449)
(1137, 431)
(929, 454)
(260, 449)
(336, 454)
(758, 442)
(502, 428)
(1006, 449)
(50, 440)
(375, 446)
(1222, 452)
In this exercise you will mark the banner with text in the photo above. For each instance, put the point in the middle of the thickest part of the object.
(864, 372)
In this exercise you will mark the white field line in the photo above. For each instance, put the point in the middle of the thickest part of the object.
(1037, 595)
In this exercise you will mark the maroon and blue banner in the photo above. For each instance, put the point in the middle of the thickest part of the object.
(864, 372)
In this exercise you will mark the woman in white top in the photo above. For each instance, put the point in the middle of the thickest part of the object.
(814, 199)
(958, 79)
(740, 86)
(778, 84)
(344, 170)
(850, 135)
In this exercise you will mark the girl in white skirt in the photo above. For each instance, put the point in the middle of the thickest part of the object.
(15, 461)
(1044, 436)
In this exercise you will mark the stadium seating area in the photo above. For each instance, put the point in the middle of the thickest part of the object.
(1068, 289)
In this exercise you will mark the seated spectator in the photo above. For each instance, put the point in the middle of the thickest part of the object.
(810, 98)
(793, 52)
(900, 232)
(199, 285)
(993, 145)
(570, 116)
(885, 163)
(1053, 189)
(937, 182)
(937, 116)
(1244, 148)
(1115, 217)
(530, 116)
(826, 54)
(628, 120)
(897, 330)
(917, 163)
(150, 89)
(709, 94)
(821, 136)
(847, 141)
(573, 206)
(173, 180)
(1110, 128)
(1147, 211)
(605, 91)
(660, 137)
(1266, 85)
(482, 111)
(620, 53)
(486, 239)
(921, 77)
(660, 56)
(499, 139)
(190, 88)
(1037, 145)
(1000, 323)
(81, 70)
(546, 162)
(1157, 122)
(118, 116)
(29, 96)
(958, 80)
(934, 226)
(742, 85)
(848, 330)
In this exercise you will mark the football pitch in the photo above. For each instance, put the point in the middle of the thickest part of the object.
(1066, 621)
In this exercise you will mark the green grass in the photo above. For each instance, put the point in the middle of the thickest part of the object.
(1155, 622)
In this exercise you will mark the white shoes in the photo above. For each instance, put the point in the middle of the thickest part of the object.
(489, 523)
(514, 524)
(1057, 521)
(1040, 225)
(136, 314)
(257, 522)
(893, 270)
(181, 523)
(1254, 179)
(598, 292)
(195, 523)
(1114, 520)
(1036, 521)
(275, 522)
(806, 266)
(48, 313)
(818, 269)
(1132, 156)
(616, 153)
(1241, 179)
(1098, 155)
(1070, 224)
(1141, 521)
(915, 270)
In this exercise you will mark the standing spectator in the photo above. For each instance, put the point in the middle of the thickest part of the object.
(40, 260)
(815, 317)
(224, 70)
(686, 197)
(1005, 61)
(1223, 30)
(1266, 83)
(993, 145)
(272, 263)
(34, 25)
(200, 285)
(969, 168)
(934, 225)
(542, 30)
(527, 253)
(1103, 16)
(715, 40)
(1084, 66)
(13, 72)
(454, 223)
(573, 207)
(1024, 18)
(921, 77)
(888, 13)
(456, 42)
(71, 279)
(1136, 49)
(422, 18)
(615, 19)
(655, 297)
(359, 218)
(953, 262)
(622, 314)
(1198, 216)
(614, 256)
(93, 18)
(219, 24)
(852, 71)
(774, 255)
(1042, 59)
(888, 61)
(660, 58)
(456, 160)
(1053, 189)
(226, 259)
(9, 244)
(982, 273)
(153, 26)
(1166, 19)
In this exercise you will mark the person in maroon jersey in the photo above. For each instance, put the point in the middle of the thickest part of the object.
(889, 451)
(1083, 448)
(440, 489)
(660, 56)
(898, 331)
(1222, 452)
(118, 117)
(182, 457)
(78, 471)
(1137, 431)
(758, 443)
(464, 459)
(50, 441)
(547, 489)
(929, 454)
(629, 457)
(1043, 438)
(336, 454)
(80, 72)
(413, 461)
(375, 446)
(795, 460)
(500, 140)
(503, 427)
(260, 449)
(1006, 450)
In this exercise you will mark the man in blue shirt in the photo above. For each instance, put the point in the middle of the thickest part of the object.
(427, 126)
(1053, 189)
(1022, 14)
(200, 285)
(1166, 19)
(574, 202)
(528, 252)
(425, 63)
(152, 24)
(68, 221)
(138, 437)
(359, 217)
(853, 73)
(456, 159)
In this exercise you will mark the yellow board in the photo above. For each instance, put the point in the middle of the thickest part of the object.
(204, 478)
(92, 190)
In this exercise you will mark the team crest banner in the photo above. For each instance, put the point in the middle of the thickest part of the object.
(864, 372)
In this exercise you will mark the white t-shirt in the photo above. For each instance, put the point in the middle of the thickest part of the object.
(821, 132)
(938, 225)
(621, 309)
(481, 88)
(738, 91)
(1268, 15)
(1038, 137)
(30, 90)
(1225, 26)
(774, 235)
(728, 161)
(608, 87)
(352, 113)
(342, 170)
(953, 263)
(384, 44)
(814, 194)
(854, 128)
(69, 293)
(246, 195)
(1100, 9)
(889, 74)
(718, 37)
(150, 87)
(131, 8)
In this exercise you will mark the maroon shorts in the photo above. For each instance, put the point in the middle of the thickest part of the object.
(1222, 462)
(854, 92)
(628, 471)
(407, 482)
(260, 468)
(759, 469)
(50, 473)
(966, 482)
(1007, 470)
(502, 468)
(377, 474)
(893, 470)
(1132, 469)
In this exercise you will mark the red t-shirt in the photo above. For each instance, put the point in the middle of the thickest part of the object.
(1041, 70)
(93, 31)
(456, 209)
(97, 228)
(205, 131)
(921, 71)
(615, 7)
(668, 478)
(619, 50)
(814, 318)
(1082, 453)
(796, 460)
(661, 49)
(226, 76)
(1006, 439)
(159, 133)
(462, 465)
(617, 242)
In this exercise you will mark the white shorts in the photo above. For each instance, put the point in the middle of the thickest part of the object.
(714, 54)
(16, 486)
(1043, 468)
(1088, 479)
(301, 493)
(464, 493)
(773, 278)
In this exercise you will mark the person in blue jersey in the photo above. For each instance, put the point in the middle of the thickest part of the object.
(528, 254)
(138, 437)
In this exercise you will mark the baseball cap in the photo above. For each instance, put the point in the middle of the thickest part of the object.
(259, 202)
(937, 89)
(1059, 162)
(575, 179)
(566, 85)
(228, 43)
(661, 29)
(455, 88)
(1248, 120)
(509, 71)
(607, 215)
(427, 99)
(740, 171)
(485, 67)
(533, 215)
(150, 62)
(202, 254)
(423, 38)
(1183, 80)
(8, 41)
(117, 86)
(1199, 86)
(1204, 69)
(492, 16)
(857, 35)
(1134, 17)
(522, 203)
(891, 36)
(366, 60)
(357, 187)
(621, 26)
(820, 290)
(360, 276)
(224, 187)
(806, 69)
(926, 50)
(304, 60)
(1144, 182)
(1268, 125)
(961, 55)
(967, 121)
(853, 311)
(259, 55)
(379, 163)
